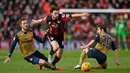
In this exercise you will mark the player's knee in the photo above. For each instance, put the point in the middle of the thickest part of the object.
(104, 66)
(55, 45)
(85, 51)
(41, 61)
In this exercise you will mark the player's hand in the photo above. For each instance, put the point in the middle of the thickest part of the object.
(83, 47)
(7, 60)
(117, 63)
(86, 14)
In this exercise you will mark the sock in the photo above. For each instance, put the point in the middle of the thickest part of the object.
(126, 45)
(119, 45)
(55, 60)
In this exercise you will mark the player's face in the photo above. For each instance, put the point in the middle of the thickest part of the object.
(98, 30)
(24, 25)
(55, 14)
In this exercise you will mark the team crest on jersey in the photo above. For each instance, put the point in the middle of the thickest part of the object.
(49, 23)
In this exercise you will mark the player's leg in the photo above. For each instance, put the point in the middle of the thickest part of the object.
(41, 56)
(55, 47)
(93, 53)
(124, 37)
(100, 66)
(82, 57)
(41, 62)
(58, 56)
(119, 41)
(50, 56)
(48, 65)
(59, 51)
(101, 59)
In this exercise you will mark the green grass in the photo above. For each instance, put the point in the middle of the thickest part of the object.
(68, 61)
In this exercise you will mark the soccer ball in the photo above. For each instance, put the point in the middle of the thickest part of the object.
(86, 67)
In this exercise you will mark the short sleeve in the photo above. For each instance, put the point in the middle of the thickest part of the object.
(113, 46)
(66, 16)
(97, 37)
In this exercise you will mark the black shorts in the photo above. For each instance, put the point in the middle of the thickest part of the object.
(59, 39)
(35, 57)
(97, 54)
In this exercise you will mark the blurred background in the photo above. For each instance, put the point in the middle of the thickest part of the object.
(79, 31)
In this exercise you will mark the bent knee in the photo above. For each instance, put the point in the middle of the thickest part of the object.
(55, 45)
(41, 61)
(85, 50)
(104, 66)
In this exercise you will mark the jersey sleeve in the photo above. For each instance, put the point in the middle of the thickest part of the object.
(44, 20)
(113, 46)
(39, 39)
(13, 44)
(97, 37)
(66, 16)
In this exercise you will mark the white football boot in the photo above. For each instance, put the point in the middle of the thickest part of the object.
(78, 66)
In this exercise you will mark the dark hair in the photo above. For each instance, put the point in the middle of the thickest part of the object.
(102, 27)
(53, 8)
(19, 22)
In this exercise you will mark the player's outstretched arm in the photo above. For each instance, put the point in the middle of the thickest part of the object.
(80, 14)
(36, 21)
(116, 57)
(88, 45)
(13, 44)
(113, 46)
(95, 39)
(39, 39)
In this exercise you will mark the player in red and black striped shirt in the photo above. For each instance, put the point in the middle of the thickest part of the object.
(56, 31)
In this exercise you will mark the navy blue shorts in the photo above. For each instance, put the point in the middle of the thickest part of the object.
(97, 54)
(35, 57)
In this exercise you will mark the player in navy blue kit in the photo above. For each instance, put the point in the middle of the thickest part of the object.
(104, 42)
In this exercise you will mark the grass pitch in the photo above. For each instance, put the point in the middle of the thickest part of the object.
(68, 61)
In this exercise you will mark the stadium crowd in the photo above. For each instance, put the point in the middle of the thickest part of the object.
(80, 28)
